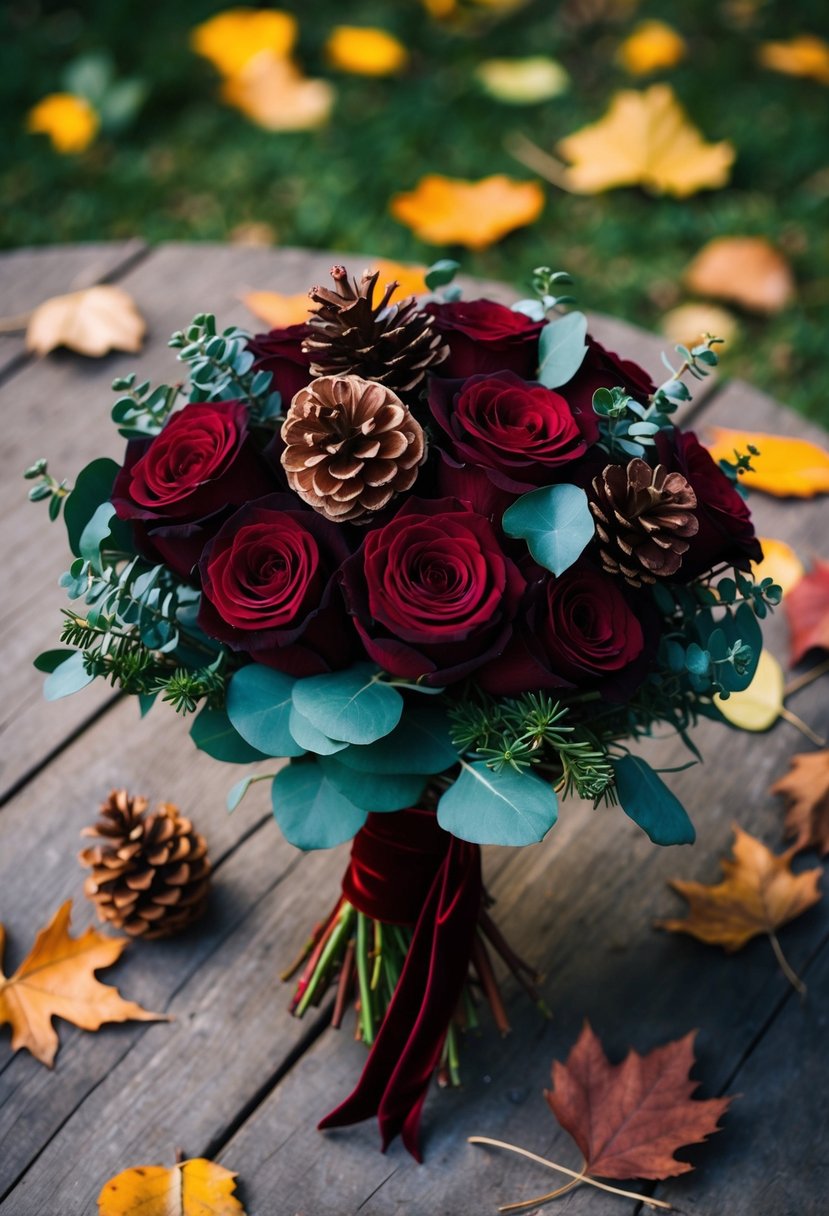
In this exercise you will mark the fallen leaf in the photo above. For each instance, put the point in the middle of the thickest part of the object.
(57, 979)
(645, 139)
(523, 81)
(745, 269)
(411, 278)
(446, 211)
(91, 322)
(652, 46)
(70, 122)
(807, 611)
(760, 705)
(805, 788)
(688, 324)
(277, 310)
(780, 563)
(231, 39)
(193, 1188)
(785, 467)
(273, 93)
(366, 50)
(255, 233)
(806, 55)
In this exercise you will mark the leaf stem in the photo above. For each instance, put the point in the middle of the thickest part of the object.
(803, 727)
(522, 1204)
(786, 967)
(808, 677)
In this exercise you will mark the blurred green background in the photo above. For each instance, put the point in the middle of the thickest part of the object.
(188, 167)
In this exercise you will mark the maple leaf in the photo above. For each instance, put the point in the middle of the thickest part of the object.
(758, 894)
(805, 788)
(57, 979)
(807, 611)
(446, 211)
(787, 468)
(272, 92)
(645, 139)
(91, 322)
(747, 270)
(191, 1188)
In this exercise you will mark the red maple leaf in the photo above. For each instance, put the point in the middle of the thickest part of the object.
(807, 611)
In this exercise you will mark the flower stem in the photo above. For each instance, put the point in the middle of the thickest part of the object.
(366, 1019)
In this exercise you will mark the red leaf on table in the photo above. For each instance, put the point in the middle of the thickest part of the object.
(807, 611)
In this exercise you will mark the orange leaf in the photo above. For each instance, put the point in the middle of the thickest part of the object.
(806, 790)
(652, 46)
(70, 122)
(271, 91)
(365, 50)
(57, 980)
(91, 322)
(446, 210)
(689, 323)
(807, 611)
(276, 310)
(787, 468)
(231, 39)
(806, 55)
(745, 269)
(780, 562)
(193, 1188)
(645, 139)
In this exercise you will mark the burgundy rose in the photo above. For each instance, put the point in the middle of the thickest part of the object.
(486, 337)
(177, 486)
(432, 594)
(269, 587)
(726, 532)
(280, 352)
(603, 369)
(518, 430)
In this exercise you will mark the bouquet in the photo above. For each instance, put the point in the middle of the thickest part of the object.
(449, 560)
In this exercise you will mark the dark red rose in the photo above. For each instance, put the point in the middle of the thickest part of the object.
(269, 587)
(577, 630)
(726, 532)
(603, 369)
(177, 486)
(432, 594)
(280, 352)
(486, 337)
(518, 430)
(473, 486)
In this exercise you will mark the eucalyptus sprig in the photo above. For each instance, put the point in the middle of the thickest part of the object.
(221, 367)
(47, 487)
(544, 283)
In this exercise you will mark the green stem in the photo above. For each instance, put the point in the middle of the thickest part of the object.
(366, 1019)
(332, 946)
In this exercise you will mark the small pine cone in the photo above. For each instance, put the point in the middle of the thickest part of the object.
(393, 344)
(150, 871)
(350, 446)
(643, 517)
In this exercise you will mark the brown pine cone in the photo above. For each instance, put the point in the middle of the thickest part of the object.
(350, 446)
(150, 871)
(643, 519)
(392, 343)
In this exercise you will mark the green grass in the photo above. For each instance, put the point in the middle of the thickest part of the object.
(189, 168)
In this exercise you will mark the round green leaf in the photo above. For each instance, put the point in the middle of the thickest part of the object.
(556, 523)
(212, 732)
(373, 791)
(93, 486)
(259, 706)
(310, 812)
(498, 808)
(352, 705)
(646, 799)
(420, 743)
(561, 349)
(311, 739)
(68, 677)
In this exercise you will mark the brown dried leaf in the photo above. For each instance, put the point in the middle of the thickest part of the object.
(91, 322)
(744, 269)
(806, 790)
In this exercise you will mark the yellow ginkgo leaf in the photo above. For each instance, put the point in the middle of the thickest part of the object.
(785, 467)
(366, 50)
(446, 211)
(645, 139)
(70, 122)
(761, 704)
(276, 310)
(807, 55)
(231, 39)
(272, 92)
(780, 562)
(523, 81)
(652, 46)
(194, 1188)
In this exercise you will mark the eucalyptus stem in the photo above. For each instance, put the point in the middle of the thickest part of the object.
(366, 1018)
(342, 929)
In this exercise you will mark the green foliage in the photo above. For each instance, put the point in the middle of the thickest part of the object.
(141, 410)
(311, 739)
(354, 705)
(556, 523)
(310, 812)
(441, 273)
(214, 733)
(392, 791)
(561, 349)
(46, 487)
(644, 796)
(117, 101)
(544, 280)
(259, 706)
(505, 807)
(420, 743)
(93, 487)
(220, 368)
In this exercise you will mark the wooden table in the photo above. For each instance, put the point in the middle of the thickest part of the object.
(233, 1076)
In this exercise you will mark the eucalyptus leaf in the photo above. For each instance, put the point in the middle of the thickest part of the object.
(498, 808)
(310, 812)
(259, 706)
(311, 739)
(50, 659)
(646, 799)
(92, 487)
(561, 349)
(420, 743)
(373, 791)
(440, 273)
(352, 705)
(556, 523)
(237, 792)
(68, 677)
(213, 732)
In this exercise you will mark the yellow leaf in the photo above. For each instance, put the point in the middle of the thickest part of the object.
(759, 706)
(446, 210)
(690, 322)
(411, 279)
(745, 269)
(652, 46)
(645, 139)
(273, 92)
(91, 322)
(70, 122)
(523, 81)
(806, 55)
(231, 39)
(780, 562)
(57, 980)
(276, 310)
(787, 468)
(194, 1188)
(365, 50)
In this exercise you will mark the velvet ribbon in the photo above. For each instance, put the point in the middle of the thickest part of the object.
(406, 870)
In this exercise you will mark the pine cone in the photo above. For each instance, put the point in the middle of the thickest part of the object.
(351, 445)
(393, 344)
(643, 519)
(150, 872)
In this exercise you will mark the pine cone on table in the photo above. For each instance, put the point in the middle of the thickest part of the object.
(150, 870)
(350, 446)
(644, 517)
(392, 343)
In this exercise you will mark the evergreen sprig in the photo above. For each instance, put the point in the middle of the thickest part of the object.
(221, 367)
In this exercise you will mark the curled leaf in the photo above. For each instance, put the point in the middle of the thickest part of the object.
(91, 322)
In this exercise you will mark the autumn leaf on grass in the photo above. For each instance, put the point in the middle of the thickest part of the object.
(645, 139)
(365, 50)
(807, 611)
(57, 980)
(231, 39)
(807, 55)
(747, 270)
(628, 1119)
(785, 467)
(521, 82)
(651, 47)
(70, 122)
(758, 894)
(91, 322)
(448, 210)
(805, 788)
(272, 92)
(192, 1188)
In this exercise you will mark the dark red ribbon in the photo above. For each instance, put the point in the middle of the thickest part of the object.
(406, 870)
